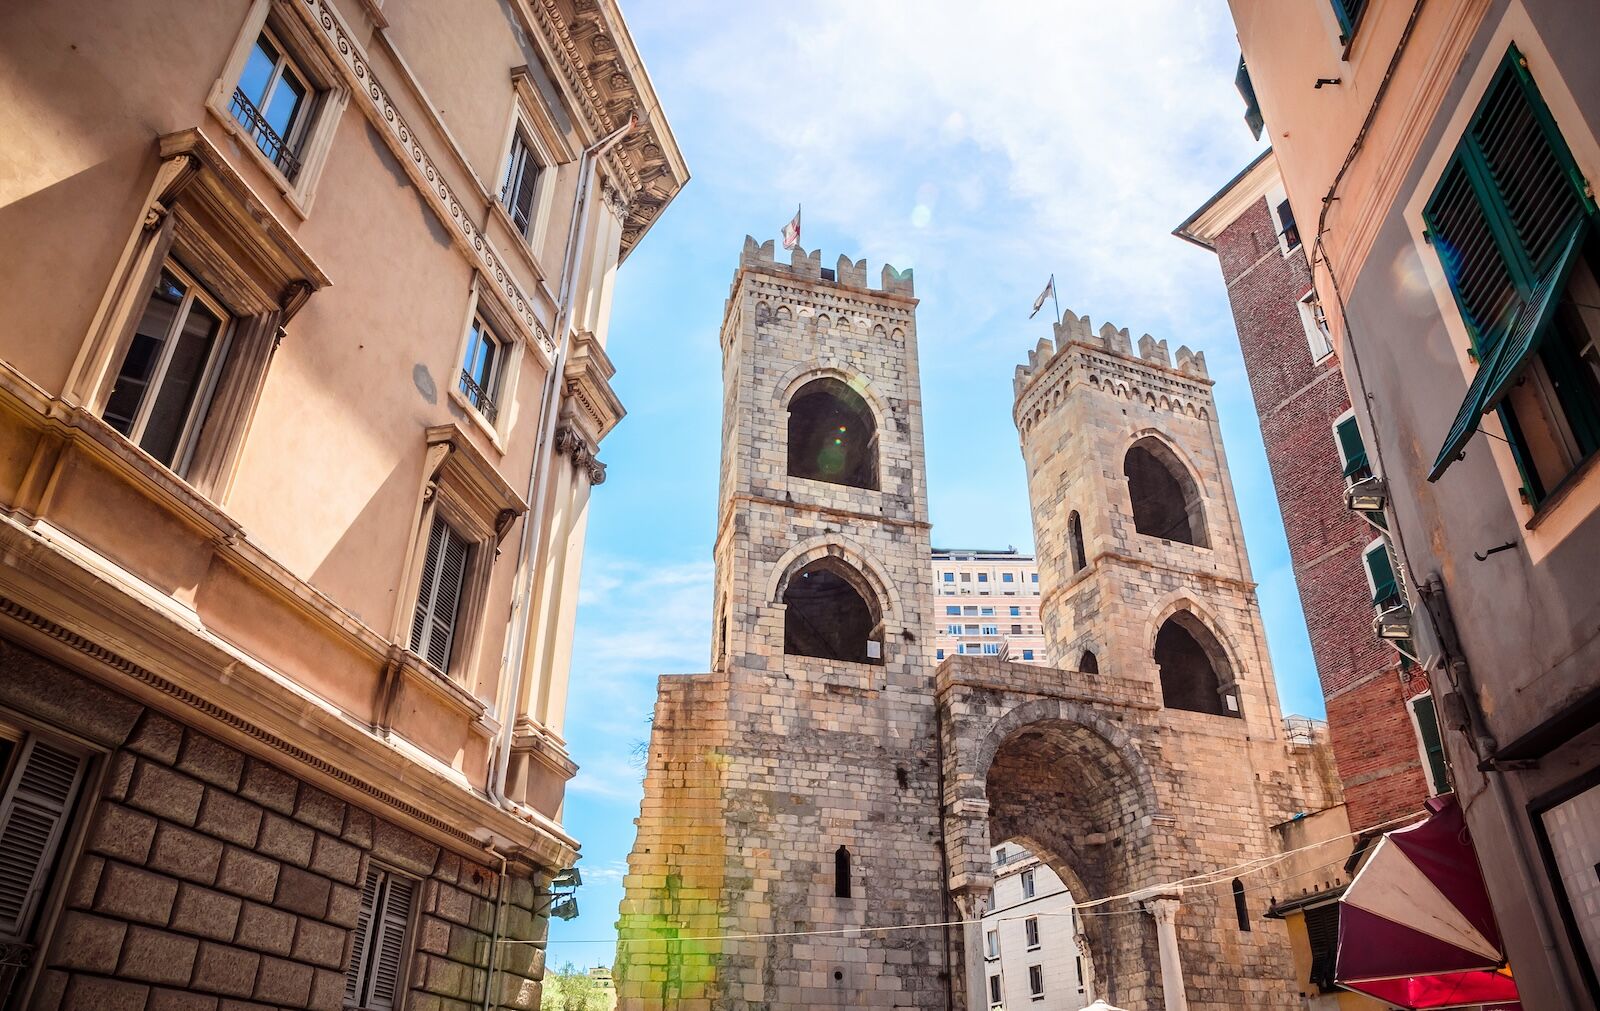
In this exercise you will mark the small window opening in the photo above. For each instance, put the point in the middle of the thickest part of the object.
(1240, 909)
(522, 177)
(273, 102)
(841, 873)
(832, 435)
(481, 369)
(1080, 561)
(1088, 664)
(902, 777)
(1188, 656)
(829, 613)
(1166, 500)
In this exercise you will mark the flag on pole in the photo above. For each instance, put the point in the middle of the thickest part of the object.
(791, 231)
(1048, 292)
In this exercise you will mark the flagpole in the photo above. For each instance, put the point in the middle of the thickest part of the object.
(1054, 299)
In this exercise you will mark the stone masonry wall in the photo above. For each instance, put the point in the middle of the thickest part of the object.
(212, 881)
(1298, 401)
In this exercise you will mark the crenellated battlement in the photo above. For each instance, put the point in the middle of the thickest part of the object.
(808, 266)
(1078, 329)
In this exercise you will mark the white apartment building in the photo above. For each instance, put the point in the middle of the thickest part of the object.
(1030, 949)
(987, 603)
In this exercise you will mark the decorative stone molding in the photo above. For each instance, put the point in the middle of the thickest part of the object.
(420, 165)
(570, 442)
(591, 405)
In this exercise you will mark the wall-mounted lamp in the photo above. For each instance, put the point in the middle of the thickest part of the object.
(1368, 495)
(1393, 623)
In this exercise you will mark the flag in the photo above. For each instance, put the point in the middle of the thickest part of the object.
(791, 231)
(1038, 303)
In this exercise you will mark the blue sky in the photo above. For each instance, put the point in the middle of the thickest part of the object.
(985, 146)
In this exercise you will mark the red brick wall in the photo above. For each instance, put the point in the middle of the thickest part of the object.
(1297, 400)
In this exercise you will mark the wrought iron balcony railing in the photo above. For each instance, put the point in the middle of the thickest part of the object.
(478, 397)
(267, 139)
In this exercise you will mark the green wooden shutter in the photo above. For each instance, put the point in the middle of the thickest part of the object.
(1381, 567)
(1432, 743)
(1465, 240)
(1351, 446)
(1349, 14)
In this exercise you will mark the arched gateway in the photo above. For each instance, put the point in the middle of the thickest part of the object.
(819, 807)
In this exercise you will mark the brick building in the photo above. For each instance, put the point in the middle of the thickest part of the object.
(1380, 710)
(302, 384)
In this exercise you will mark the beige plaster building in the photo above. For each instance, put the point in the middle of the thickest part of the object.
(302, 383)
(986, 603)
(828, 790)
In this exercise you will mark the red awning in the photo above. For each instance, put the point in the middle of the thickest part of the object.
(1415, 926)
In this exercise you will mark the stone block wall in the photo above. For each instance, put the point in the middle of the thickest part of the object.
(204, 879)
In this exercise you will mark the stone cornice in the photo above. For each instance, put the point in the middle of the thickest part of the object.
(375, 103)
(591, 402)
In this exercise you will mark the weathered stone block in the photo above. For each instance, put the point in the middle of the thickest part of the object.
(320, 943)
(225, 970)
(320, 810)
(286, 840)
(180, 1000)
(164, 793)
(228, 817)
(135, 894)
(122, 833)
(269, 787)
(186, 854)
(262, 928)
(206, 913)
(248, 874)
(284, 982)
(87, 942)
(337, 860)
(208, 759)
(91, 993)
(157, 956)
(402, 849)
(303, 892)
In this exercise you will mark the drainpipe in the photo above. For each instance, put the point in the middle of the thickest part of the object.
(530, 540)
(494, 930)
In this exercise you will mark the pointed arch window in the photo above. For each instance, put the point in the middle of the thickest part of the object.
(1088, 663)
(1080, 560)
(831, 611)
(1194, 668)
(833, 435)
(1240, 908)
(841, 873)
(1165, 497)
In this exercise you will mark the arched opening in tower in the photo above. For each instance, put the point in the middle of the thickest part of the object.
(831, 612)
(832, 435)
(1075, 533)
(1166, 499)
(1194, 668)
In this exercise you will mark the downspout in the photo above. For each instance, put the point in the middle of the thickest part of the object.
(530, 541)
(494, 930)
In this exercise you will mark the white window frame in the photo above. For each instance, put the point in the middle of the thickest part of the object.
(996, 991)
(1029, 884)
(548, 148)
(195, 291)
(952, 629)
(329, 95)
(1376, 544)
(1036, 982)
(1030, 933)
(991, 943)
(991, 649)
(1338, 444)
(1276, 197)
(1027, 654)
(1319, 339)
(1422, 747)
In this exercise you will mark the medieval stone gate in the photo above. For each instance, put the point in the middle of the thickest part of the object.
(827, 786)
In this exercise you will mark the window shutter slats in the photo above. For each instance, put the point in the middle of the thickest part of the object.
(1382, 569)
(388, 955)
(33, 817)
(425, 588)
(1350, 445)
(452, 571)
(1467, 248)
(1528, 176)
(359, 948)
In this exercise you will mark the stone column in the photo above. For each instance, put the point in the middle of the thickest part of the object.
(1164, 908)
(972, 903)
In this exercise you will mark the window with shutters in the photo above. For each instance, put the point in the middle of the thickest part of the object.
(1348, 13)
(1511, 220)
(444, 573)
(1386, 591)
(376, 976)
(534, 149)
(522, 176)
(467, 508)
(1314, 320)
(41, 780)
(1322, 930)
(1425, 719)
(1352, 451)
(991, 943)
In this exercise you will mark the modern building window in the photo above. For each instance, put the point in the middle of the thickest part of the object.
(966, 577)
(983, 577)
(1027, 654)
(949, 577)
(1016, 629)
(1315, 323)
(994, 992)
(991, 943)
(969, 610)
(1080, 561)
(952, 629)
(163, 387)
(1028, 886)
(273, 102)
(954, 609)
(841, 873)
(521, 182)
(1241, 910)
(973, 648)
(1007, 577)
(990, 630)
(1030, 930)
(1193, 666)
(1036, 981)
(1001, 855)
(40, 780)
(1512, 224)
(831, 612)
(444, 575)
(376, 977)
(1426, 720)
(986, 612)
(1016, 612)
(938, 654)
(973, 630)
(1033, 577)
(833, 436)
(1164, 495)
(482, 368)
(991, 649)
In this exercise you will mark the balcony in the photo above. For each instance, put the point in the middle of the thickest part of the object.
(267, 139)
(478, 397)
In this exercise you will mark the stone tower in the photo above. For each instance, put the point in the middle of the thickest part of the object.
(794, 789)
(1156, 753)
